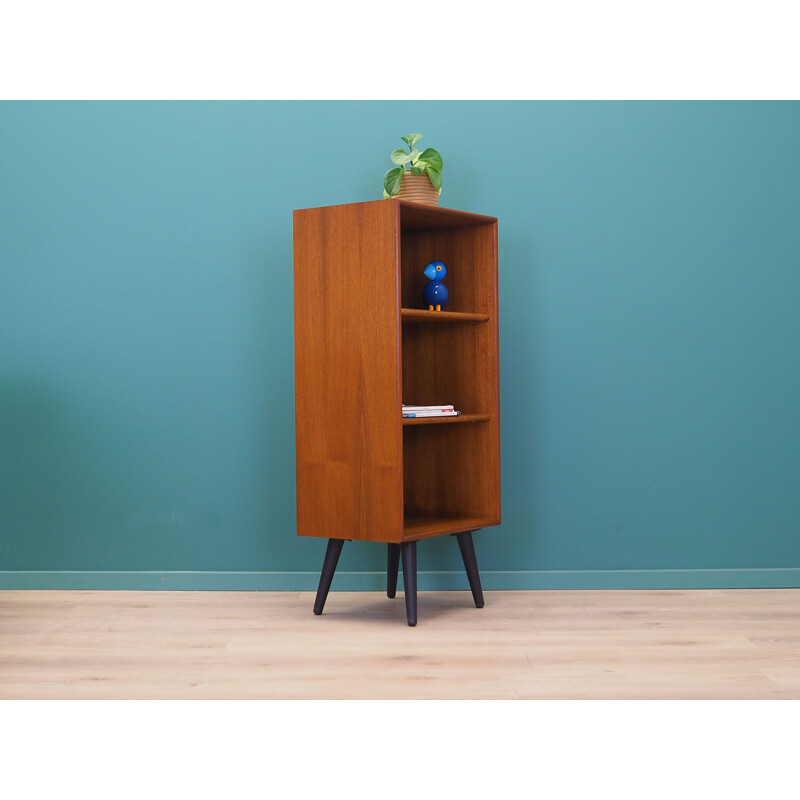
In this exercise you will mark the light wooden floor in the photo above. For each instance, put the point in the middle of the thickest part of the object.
(555, 644)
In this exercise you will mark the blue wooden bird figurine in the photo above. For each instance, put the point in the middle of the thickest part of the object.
(435, 292)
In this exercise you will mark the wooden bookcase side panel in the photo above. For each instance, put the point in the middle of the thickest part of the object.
(347, 372)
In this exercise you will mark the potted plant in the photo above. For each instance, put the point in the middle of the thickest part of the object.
(418, 176)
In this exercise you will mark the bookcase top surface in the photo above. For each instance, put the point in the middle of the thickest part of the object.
(417, 215)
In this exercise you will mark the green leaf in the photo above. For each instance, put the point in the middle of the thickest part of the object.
(435, 176)
(414, 156)
(392, 181)
(400, 157)
(411, 139)
(417, 170)
(433, 158)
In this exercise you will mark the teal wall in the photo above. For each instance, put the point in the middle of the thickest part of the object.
(650, 338)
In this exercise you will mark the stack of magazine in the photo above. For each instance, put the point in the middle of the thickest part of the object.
(429, 411)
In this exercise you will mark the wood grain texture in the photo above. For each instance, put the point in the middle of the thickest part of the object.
(347, 372)
(713, 644)
(358, 356)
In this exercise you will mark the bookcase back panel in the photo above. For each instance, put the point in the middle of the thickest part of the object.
(468, 252)
(454, 363)
(451, 471)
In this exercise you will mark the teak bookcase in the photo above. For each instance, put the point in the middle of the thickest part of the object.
(363, 346)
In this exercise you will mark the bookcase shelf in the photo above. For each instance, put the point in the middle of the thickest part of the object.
(418, 315)
(446, 420)
(418, 527)
(365, 343)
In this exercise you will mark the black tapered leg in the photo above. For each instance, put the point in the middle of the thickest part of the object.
(470, 562)
(392, 566)
(328, 568)
(408, 551)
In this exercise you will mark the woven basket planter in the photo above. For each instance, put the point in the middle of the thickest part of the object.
(418, 189)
